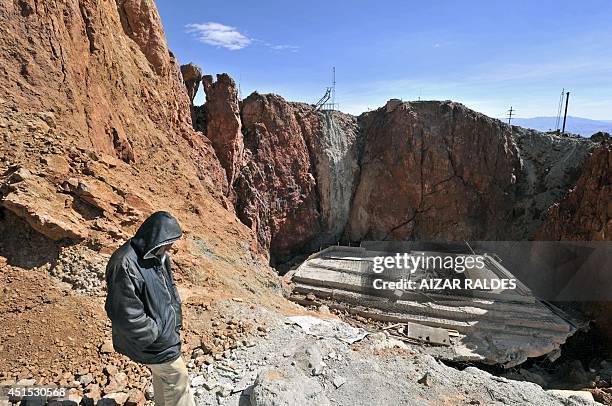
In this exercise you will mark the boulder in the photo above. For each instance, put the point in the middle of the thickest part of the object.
(135, 398)
(36, 200)
(92, 394)
(192, 76)
(287, 386)
(107, 347)
(116, 398)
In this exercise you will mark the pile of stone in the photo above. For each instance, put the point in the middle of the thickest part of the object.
(82, 268)
(226, 335)
(214, 367)
(121, 383)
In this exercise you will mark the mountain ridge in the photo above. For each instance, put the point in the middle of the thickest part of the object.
(575, 125)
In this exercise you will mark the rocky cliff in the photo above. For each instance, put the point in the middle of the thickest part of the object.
(97, 134)
(276, 189)
(294, 182)
(585, 213)
(455, 174)
(225, 130)
(409, 170)
(335, 151)
(449, 174)
(105, 72)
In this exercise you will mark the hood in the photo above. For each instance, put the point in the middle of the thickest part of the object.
(159, 229)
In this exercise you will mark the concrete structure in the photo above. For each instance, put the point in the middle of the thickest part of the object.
(495, 326)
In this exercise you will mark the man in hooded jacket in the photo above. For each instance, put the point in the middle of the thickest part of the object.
(145, 309)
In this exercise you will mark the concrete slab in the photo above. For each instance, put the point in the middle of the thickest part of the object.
(495, 326)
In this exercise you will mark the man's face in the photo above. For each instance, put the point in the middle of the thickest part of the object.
(162, 251)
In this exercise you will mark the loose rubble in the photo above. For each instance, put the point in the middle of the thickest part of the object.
(287, 366)
(81, 268)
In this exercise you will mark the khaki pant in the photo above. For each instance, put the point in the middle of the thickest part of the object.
(171, 384)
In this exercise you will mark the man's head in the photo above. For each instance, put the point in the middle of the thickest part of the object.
(156, 235)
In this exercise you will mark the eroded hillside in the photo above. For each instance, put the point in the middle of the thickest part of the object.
(96, 135)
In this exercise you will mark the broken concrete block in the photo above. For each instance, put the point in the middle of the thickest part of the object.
(478, 318)
(287, 386)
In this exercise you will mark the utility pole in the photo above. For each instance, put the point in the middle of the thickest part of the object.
(334, 88)
(510, 114)
(559, 108)
(565, 115)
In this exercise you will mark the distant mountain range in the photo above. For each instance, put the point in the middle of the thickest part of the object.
(575, 125)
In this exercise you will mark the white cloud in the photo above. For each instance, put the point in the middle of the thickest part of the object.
(219, 35)
(225, 36)
(283, 47)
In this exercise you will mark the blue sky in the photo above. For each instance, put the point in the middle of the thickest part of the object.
(488, 55)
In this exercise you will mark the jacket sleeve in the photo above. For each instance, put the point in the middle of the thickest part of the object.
(126, 310)
(179, 311)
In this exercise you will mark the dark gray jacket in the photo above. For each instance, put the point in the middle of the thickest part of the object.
(142, 300)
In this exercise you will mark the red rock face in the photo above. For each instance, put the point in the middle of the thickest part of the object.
(276, 189)
(141, 22)
(224, 128)
(586, 212)
(433, 170)
(104, 70)
(98, 120)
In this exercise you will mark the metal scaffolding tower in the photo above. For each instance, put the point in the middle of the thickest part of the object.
(323, 100)
(328, 101)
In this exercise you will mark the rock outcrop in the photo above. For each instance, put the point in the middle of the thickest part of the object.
(433, 170)
(293, 169)
(107, 76)
(223, 125)
(276, 189)
(409, 170)
(192, 76)
(140, 20)
(586, 212)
